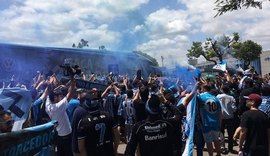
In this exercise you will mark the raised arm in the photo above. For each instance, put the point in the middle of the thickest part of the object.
(40, 84)
(71, 88)
(190, 96)
(137, 96)
(83, 76)
(125, 82)
(48, 89)
(106, 90)
(116, 90)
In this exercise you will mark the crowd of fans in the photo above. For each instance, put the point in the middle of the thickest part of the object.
(148, 114)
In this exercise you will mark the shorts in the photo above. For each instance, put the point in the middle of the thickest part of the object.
(211, 136)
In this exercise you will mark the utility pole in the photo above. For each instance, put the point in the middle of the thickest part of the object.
(162, 59)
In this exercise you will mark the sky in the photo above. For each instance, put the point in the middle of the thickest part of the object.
(157, 27)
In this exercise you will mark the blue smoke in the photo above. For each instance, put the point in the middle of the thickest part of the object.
(187, 76)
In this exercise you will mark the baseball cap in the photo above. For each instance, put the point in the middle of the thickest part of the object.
(92, 101)
(256, 97)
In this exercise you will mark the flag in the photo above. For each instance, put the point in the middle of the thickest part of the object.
(18, 101)
(90, 85)
(239, 69)
(220, 66)
(240, 85)
(189, 126)
(29, 141)
(188, 75)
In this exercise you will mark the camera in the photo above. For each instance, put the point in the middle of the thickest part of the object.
(70, 70)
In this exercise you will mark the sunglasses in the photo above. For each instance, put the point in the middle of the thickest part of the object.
(8, 123)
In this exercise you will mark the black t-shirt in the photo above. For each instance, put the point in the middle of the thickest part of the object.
(242, 101)
(78, 114)
(97, 130)
(140, 113)
(157, 138)
(257, 124)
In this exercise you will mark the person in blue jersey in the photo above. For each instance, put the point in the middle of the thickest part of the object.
(72, 104)
(210, 111)
(121, 119)
(265, 105)
(38, 109)
(110, 103)
(128, 112)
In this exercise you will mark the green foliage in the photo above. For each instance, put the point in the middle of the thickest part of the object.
(247, 51)
(102, 47)
(196, 50)
(81, 44)
(213, 50)
(223, 6)
(153, 60)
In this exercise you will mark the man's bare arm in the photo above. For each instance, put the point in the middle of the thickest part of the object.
(242, 138)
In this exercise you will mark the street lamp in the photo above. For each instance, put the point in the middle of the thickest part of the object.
(162, 59)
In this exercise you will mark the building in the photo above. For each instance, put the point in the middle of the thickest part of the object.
(193, 61)
(265, 62)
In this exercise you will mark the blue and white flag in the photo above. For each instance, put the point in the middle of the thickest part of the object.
(35, 140)
(240, 85)
(220, 66)
(189, 126)
(18, 101)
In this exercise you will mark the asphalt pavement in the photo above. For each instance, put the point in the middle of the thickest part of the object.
(122, 147)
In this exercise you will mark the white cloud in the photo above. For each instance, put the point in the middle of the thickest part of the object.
(167, 22)
(137, 28)
(251, 23)
(60, 23)
(173, 50)
(167, 30)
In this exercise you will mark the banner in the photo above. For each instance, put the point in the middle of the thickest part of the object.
(221, 66)
(240, 85)
(29, 141)
(18, 101)
(89, 85)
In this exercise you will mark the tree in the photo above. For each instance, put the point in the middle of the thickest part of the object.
(152, 59)
(102, 47)
(223, 6)
(247, 51)
(213, 50)
(81, 44)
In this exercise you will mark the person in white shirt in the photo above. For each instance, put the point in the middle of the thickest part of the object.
(56, 106)
(228, 109)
